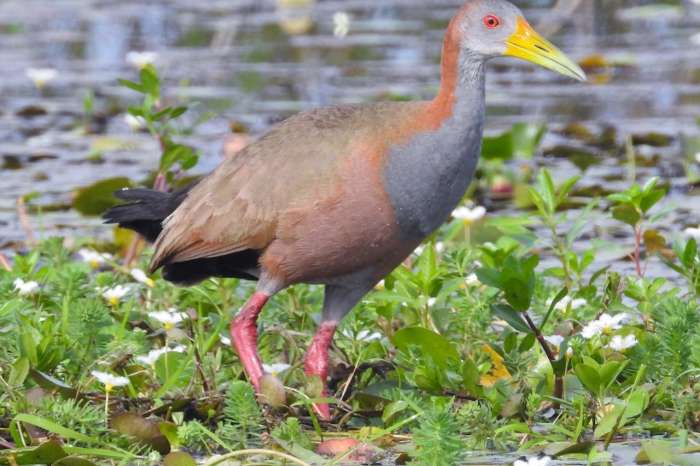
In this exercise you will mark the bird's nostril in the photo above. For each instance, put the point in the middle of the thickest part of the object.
(544, 49)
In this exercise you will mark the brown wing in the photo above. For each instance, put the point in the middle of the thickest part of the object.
(236, 207)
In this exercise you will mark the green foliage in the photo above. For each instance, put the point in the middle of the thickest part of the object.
(160, 122)
(437, 438)
(242, 421)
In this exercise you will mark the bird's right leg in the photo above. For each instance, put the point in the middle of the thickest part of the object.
(244, 331)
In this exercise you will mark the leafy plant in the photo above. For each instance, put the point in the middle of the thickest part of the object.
(632, 208)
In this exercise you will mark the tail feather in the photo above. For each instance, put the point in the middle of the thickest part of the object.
(146, 210)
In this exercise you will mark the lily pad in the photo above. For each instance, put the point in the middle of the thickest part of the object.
(93, 200)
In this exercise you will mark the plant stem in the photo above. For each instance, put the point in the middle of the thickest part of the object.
(637, 254)
(558, 381)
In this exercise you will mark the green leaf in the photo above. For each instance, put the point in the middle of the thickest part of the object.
(143, 430)
(651, 199)
(47, 453)
(430, 344)
(53, 427)
(626, 214)
(95, 199)
(690, 253)
(589, 377)
(637, 403)
(577, 448)
(511, 316)
(132, 85)
(608, 372)
(19, 372)
(392, 409)
(150, 81)
(489, 277)
(609, 421)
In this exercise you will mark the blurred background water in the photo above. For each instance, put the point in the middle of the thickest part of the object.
(244, 63)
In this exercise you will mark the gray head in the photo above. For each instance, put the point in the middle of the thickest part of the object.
(492, 28)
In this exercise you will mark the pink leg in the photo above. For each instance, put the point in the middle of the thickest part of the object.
(316, 362)
(244, 336)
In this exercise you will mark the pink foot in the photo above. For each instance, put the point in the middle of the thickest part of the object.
(244, 336)
(316, 363)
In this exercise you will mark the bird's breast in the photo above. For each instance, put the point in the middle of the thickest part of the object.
(426, 178)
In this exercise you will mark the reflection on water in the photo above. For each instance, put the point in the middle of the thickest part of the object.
(235, 57)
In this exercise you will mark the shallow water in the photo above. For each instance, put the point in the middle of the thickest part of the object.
(234, 58)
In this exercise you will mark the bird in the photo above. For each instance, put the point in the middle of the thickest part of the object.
(337, 196)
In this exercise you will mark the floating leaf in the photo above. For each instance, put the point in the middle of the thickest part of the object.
(97, 198)
(143, 430)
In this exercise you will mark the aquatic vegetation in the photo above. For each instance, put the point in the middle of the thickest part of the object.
(552, 358)
(493, 336)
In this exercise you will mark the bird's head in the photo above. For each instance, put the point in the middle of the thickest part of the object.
(492, 28)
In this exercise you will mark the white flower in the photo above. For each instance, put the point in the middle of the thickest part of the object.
(225, 340)
(555, 340)
(469, 215)
(276, 368)
(439, 247)
(431, 302)
(693, 233)
(153, 356)
(620, 343)
(115, 294)
(141, 277)
(94, 258)
(41, 76)
(110, 381)
(604, 325)
(169, 318)
(136, 123)
(419, 250)
(540, 460)
(140, 60)
(563, 305)
(341, 24)
(25, 288)
(569, 352)
(472, 281)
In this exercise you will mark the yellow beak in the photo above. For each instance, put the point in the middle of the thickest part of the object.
(527, 44)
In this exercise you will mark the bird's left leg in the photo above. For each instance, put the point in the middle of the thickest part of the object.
(337, 303)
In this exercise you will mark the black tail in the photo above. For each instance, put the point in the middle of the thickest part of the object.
(145, 210)
(144, 213)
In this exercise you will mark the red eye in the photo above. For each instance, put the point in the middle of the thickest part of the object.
(492, 22)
